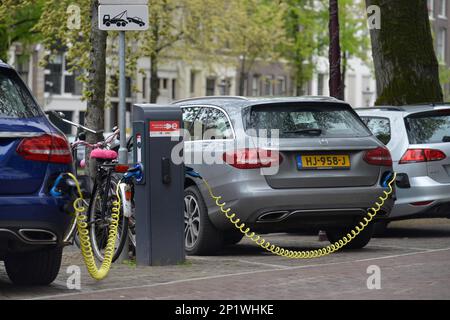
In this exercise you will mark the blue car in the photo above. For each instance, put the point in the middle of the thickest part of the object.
(33, 153)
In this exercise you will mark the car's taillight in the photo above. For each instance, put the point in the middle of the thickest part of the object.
(378, 157)
(422, 155)
(252, 158)
(46, 148)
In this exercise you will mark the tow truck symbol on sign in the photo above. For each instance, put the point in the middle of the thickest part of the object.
(120, 21)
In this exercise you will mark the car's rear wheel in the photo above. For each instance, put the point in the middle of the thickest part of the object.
(336, 234)
(37, 268)
(200, 235)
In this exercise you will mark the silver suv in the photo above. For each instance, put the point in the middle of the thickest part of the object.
(320, 168)
(419, 140)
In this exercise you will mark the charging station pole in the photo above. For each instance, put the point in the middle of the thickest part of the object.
(132, 16)
(159, 145)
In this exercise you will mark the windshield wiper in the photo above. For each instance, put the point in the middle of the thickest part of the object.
(310, 132)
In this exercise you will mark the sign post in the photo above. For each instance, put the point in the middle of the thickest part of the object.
(114, 15)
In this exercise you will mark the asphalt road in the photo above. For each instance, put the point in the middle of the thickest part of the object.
(412, 261)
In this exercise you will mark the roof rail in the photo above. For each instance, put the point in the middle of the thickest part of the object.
(431, 104)
(385, 108)
(212, 98)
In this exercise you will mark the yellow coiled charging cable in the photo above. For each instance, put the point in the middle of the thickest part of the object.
(85, 241)
(311, 254)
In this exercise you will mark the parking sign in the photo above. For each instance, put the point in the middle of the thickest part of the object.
(116, 16)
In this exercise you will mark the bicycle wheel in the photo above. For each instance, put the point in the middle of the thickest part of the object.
(100, 211)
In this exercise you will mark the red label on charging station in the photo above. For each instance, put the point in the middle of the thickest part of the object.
(164, 129)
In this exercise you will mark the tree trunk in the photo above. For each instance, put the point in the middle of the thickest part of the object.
(344, 73)
(335, 52)
(154, 79)
(242, 76)
(406, 66)
(97, 82)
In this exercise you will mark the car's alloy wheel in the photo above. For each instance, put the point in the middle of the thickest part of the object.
(201, 236)
(191, 221)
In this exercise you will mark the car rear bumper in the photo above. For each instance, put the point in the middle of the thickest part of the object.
(32, 221)
(258, 206)
(422, 189)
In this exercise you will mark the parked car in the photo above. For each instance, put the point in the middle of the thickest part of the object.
(329, 168)
(418, 138)
(32, 155)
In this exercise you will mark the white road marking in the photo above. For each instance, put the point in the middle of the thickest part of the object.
(278, 266)
(400, 247)
(236, 274)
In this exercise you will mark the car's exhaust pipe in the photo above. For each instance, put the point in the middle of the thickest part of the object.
(274, 216)
(38, 236)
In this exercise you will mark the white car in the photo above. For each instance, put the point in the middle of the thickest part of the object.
(418, 138)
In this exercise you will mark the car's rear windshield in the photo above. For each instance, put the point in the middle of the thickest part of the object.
(15, 99)
(429, 127)
(303, 120)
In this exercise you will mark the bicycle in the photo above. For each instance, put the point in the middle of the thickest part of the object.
(72, 235)
(103, 192)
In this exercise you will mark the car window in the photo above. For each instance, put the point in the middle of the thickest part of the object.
(15, 99)
(380, 127)
(218, 126)
(429, 127)
(198, 127)
(190, 114)
(300, 120)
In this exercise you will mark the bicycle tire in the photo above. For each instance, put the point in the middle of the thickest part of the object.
(98, 233)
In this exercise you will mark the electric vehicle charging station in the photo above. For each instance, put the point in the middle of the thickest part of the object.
(157, 130)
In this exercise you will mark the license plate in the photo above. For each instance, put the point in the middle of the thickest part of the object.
(330, 161)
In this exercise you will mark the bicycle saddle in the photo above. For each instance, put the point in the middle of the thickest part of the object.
(101, 154)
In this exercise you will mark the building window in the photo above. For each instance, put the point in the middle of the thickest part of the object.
(115, 82)
(23, 67)
(58, 78)
(281, 86)
(443, 11)
(441, 44)
(193, 79)
(174, 89)
(163, 83)
(225, 87)
(210, 86)
(268, 88)
(144, 88)
(430, 4)
(320, 84)
(53, 74)
(255, 86)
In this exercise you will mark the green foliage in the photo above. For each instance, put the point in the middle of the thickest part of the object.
(444, 78)
(17, 19)
(304, 24)
(58, 37)
(355, 38)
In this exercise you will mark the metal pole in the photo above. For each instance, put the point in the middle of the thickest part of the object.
(123, 152)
